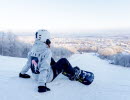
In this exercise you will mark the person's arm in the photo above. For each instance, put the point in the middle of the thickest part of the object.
(44, 67)
(23, 74)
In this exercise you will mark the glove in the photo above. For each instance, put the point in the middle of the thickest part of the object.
(24, 75)
(43, 89)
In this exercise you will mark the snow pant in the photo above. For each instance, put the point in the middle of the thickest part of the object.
(60, 66)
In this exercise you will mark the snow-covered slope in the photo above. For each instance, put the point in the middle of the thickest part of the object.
(111, 82)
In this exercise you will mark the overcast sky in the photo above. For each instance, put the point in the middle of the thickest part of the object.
(64, 15)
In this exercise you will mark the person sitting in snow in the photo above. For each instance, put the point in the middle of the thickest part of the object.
(44, 68)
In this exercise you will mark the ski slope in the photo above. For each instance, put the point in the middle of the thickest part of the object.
(111, 82)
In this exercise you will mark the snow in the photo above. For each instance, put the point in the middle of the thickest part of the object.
(111, 82)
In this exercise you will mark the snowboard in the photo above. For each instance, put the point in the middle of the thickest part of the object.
(84, 77)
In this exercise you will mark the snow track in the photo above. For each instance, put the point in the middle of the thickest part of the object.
(111, 82)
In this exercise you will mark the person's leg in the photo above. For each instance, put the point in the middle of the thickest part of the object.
(63, 65)
(52, 62)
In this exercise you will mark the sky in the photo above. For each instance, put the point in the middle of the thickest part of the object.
(64, 15)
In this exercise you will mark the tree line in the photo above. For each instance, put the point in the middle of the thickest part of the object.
(11, 46)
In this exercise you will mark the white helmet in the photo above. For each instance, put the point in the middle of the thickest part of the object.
(42, 35)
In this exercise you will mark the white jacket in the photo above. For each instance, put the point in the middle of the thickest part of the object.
(44, 54)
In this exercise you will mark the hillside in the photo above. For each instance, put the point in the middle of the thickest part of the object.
(111, 82)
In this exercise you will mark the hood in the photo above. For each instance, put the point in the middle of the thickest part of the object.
(39, 47)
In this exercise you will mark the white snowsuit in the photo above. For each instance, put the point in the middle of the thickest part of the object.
(44, 54)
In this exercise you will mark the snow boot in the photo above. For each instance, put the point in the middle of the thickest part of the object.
(76, 75)
(73, 77)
